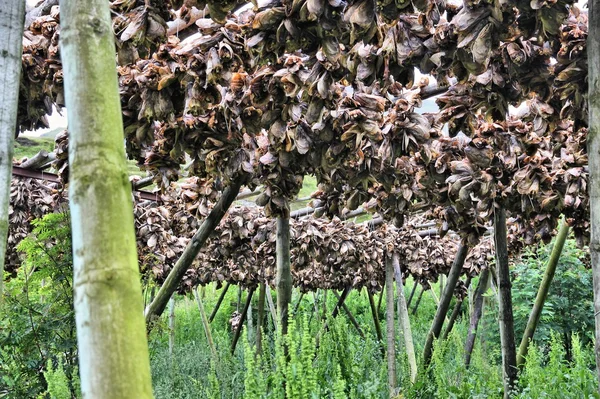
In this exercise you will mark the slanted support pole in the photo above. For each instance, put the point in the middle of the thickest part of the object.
(389, 318)
(219, 301)
(404, 320)
(261, 316)
(482, 286)
(375, 319)
(238, 330)
(284, 273)
(206, 325)
(442, 309)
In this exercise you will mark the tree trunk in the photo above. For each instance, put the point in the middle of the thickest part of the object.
(111, 334)
(157, 306)
(593, 142)
(206, 325)
(389, 319)
(404, 320)
(442, 309)
(505, 311)
(12, 14)
(542, 294)
(261, 315)
(284, 274)
(484, 277)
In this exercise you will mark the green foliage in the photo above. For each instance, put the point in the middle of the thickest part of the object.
(58, 383)
(29, 146)
(38, 326)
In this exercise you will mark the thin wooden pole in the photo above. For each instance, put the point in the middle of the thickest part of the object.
(414, 311)
(298, 303)
(261, 315)
(505, 311)
(219, 301)
(381, 294)
(542, 293)
(442, 309)
(375, 319)
(284, 275)
(171, 324)
(482, 285)
(272, 308)
(455, 313)
(238, 330)
(412, 293)
(390, 333)
(340, 302)
(350, 316)
(206, 325)
(404, 320)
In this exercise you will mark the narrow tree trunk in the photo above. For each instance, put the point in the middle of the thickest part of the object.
(157, 306)
(455, 313)
(111, 335)
(404, 320)
(219, 301)
(505, 311)
(238, 330)
(171, 324)
(12, 14)
(542, 294)
(414, 311)
(206, 325)
(593, 143)
(389, 319)
(442, 309)
(484, 277)
(284, 274)
(261, 315)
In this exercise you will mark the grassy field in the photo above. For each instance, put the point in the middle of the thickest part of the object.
(29, 146)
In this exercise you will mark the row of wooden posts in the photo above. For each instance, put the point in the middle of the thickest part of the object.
(402, 305)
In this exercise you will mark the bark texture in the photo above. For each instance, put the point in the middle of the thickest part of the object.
(505, 311)
(283, 278)
(12, 14)
(389, 319)
(444, 304)
(542, 294)
(404, 320)
(157, 306)
(476, 316)
(593, 142)
(111, 334)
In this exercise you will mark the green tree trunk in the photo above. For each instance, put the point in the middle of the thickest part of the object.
(593, 142)
(283, 278)
(505, 311)
(111, 333)
(12, 14)
(542, 294)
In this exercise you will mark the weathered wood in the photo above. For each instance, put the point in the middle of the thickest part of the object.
(238, 330)
(191, 251)
(38, 160)
(482, 285)
(261, 316)
(389, 330)
(593, 144)
(350, 316)
(111, 337)
(542, 294)
(12, 13)
(298, 303)
(283, 279)
(412, 293)
(442, 310)
(219, 301)
(455, 313)
(505, 311)
(375, 318)
(206, 326)
(171, 324)
(404, 320)
(272, 308)
(414, 311)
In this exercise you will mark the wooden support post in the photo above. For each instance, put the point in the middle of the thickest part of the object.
(389, 318)
(341, 300)
(482, 285)
(284, 274)
(414, 311)
(272, 308)
(206, 325)
(219, 301)
(542, 293)
(350, 316)
(505, 311)
(261, 316)
(376, 320)
(238, 330)
(412, 293)
(455, 313)
(381, 294)
(442, 309)
(298, 303)
(171, 325)
(404, 321)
